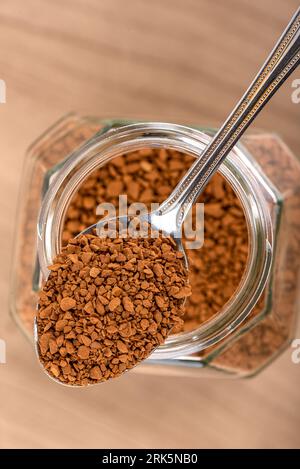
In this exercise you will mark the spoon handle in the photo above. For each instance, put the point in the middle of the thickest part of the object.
(284, 58)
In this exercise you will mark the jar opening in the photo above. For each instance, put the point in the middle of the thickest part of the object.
(235, 170)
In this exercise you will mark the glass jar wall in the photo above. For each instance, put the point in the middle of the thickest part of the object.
(255, 319)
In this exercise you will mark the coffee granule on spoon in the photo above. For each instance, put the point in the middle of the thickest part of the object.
(107, 304)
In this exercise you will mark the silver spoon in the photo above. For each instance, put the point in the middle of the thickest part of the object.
(170, 215)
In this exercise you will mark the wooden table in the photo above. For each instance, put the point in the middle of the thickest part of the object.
(169, 60)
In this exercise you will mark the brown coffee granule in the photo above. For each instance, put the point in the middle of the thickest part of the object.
(149, 175)
(167, 167)
(67, 303)
(97, 319)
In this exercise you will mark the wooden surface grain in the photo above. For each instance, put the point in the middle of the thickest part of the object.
(167, 60)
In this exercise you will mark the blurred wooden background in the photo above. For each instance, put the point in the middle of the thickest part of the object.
(182, 61)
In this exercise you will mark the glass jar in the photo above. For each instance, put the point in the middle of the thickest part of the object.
(258, 321)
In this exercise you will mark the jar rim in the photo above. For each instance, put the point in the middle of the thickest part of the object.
(236, 169)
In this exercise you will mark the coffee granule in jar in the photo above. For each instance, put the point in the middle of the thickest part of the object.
(107, 304)
(149, 175)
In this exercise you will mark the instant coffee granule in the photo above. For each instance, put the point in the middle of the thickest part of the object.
(149, 175)
(107, 304)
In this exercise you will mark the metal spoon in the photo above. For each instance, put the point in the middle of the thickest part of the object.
(170, 215)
